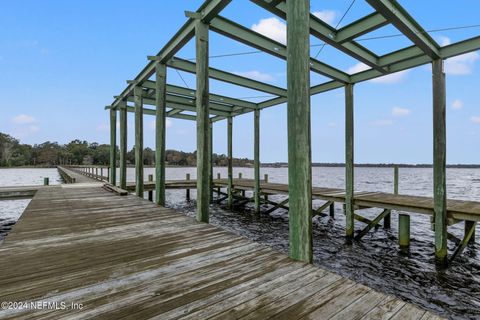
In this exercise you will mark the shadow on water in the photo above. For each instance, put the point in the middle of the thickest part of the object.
(375, 261)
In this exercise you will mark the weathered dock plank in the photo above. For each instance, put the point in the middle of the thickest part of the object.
(125, 257)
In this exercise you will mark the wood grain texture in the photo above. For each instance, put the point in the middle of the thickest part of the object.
(124, 257)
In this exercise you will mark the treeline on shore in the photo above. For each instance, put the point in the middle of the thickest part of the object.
(81, 152)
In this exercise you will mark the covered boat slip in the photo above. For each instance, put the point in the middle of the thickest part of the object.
(106, 256)
(150, 87)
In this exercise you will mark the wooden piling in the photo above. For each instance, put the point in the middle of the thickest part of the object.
(210, 162)
(265, 178)
(187, 192)
(404, 231)
(298, 110)
(387, 221)
(218, 189)
(239, 175)
(138, 100)
(256, 161)
(46, 181)
(113, 145)
(160, 131)
(203, 125)
(123, 145)
(332, 210)
(150, 192)
(349, 161)
(439, 161)
(230, 160)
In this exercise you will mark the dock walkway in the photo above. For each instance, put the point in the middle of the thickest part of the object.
(125, 257)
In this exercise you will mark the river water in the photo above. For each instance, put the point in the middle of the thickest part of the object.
(374, 261)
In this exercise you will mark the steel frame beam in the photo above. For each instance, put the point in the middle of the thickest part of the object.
(327, 34)
(400, 18)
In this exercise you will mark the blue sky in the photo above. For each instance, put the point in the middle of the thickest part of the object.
(62, 61)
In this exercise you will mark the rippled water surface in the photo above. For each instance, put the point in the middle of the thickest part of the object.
(375, 260)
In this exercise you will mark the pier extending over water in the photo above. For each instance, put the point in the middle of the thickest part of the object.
(112, 256)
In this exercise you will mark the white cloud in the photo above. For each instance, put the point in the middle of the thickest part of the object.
(359, 67)
(457, 104)
(327, 16)
(23, 119)
(390, 78)
(444, 41)
(459, 65)
(168, 124)
(256, 75)
(400, 112)
(475, 119)
(381, 123)
(462, 64)
(272, 28)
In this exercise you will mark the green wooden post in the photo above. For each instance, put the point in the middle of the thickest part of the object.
(219, 189)
(239, 175)
(187, 194)
(96, 172)
(265, 178)
(387, 221)
(299, 148)
(160, 131)
(439, 161)
(137, 91)
(256, 161)
(203, 125)
(123, 145)
(395, 180)
(46, 181)
(349, 161)
(230, 160)
(113, 146)
(404, 231)
(332, 210)
(210, 163)
(150, 192)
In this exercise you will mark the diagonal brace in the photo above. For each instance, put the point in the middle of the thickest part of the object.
(372, 224)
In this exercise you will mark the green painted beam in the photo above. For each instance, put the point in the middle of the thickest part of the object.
(460, 47)
(256, 159)
(138, 141)
(123, 144)
(326, 33)
(256, 40)
(349, 161)
(113, 146)
(402, 20)
(152, 112)
(188, 66)
(299, 140)
(360, 27)
(439, 161)
(230, 161)
(216, 98)
(203, 125)
(160, 131)
(184, 104)
(208, 10)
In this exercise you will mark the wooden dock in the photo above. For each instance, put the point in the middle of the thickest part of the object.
(125, 257)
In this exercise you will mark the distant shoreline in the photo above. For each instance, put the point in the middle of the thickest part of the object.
(285, 165)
